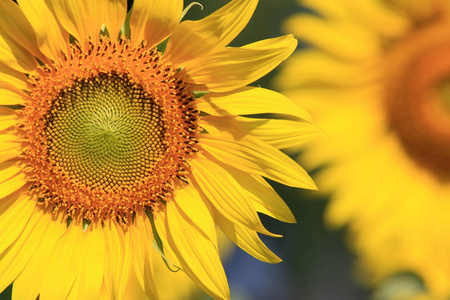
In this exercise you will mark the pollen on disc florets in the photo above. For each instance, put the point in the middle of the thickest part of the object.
(108, 130)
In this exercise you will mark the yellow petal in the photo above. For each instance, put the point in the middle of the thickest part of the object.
(191, 203)
(15, 79)
(51, 38)
(15, 26)
(15, 56)
(92, 262)
(317, 68)
(160, 224)
(341, 39)
(249, 101)
(134, 289)
(263, 196)
(12, 181)
(9, 172)
(327, 9)
(226, 194)
(232, 68)
(279, 133)
(192, 39)
(27, 286)
(256, 157)
(15, 211)
(117, 12)
(9, 97)
(81, 18)
(246, 239)
(117, 259)
(198, 256)
(141, 236)
(16, 257)
(154, 20)
(8, 142)
(8, 118)
(65, 259)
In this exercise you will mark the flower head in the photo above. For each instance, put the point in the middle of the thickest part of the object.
(112, 150)
(375, 77)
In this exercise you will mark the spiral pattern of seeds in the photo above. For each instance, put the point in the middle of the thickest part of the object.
(105, 132)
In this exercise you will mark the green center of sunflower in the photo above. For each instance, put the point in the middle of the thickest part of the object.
(105, 132)
(417, 96)
(108, 130)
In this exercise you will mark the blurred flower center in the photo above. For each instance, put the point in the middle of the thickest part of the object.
(418, 96)
(107, 130)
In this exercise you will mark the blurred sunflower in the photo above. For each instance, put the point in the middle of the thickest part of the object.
(112, 150)
(375, 75)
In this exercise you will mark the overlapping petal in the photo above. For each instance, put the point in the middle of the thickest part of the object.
(154, 20)
(198, 255)
(193, 39)
(276, 132)
(256, 157)
(250, 101)
(81, 18)
(51, 38)
(226, 194)
(227, 69)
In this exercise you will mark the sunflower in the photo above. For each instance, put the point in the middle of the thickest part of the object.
(112, 150)
(375, 76)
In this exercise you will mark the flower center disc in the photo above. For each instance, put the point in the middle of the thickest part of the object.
(417, 98)
(108, 130)
(105, 132)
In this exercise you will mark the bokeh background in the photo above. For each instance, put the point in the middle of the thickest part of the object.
(316, 265)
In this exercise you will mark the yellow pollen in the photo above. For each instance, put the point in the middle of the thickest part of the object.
(108, 130)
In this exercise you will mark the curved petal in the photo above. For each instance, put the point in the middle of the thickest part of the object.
(15, 56)
(14, 217)
(8, 118)
(141, 236)
(63, 267)
(12, 78)
(51, 38)
(14, 25)
(254, 156)
(81, 18)
(192, 39)
(226, 194)
(279, 133)
(9, 97)
(264, 198)
(154, 20)
(12, 180)
(27, 286)
(232, 68)
(117, 259)
(92, 260)
(117, 12)
(8, 142)
(246, 239)
(250, 101)
(16, 257)
(198, 256)
(191, 203)
(160, 225)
